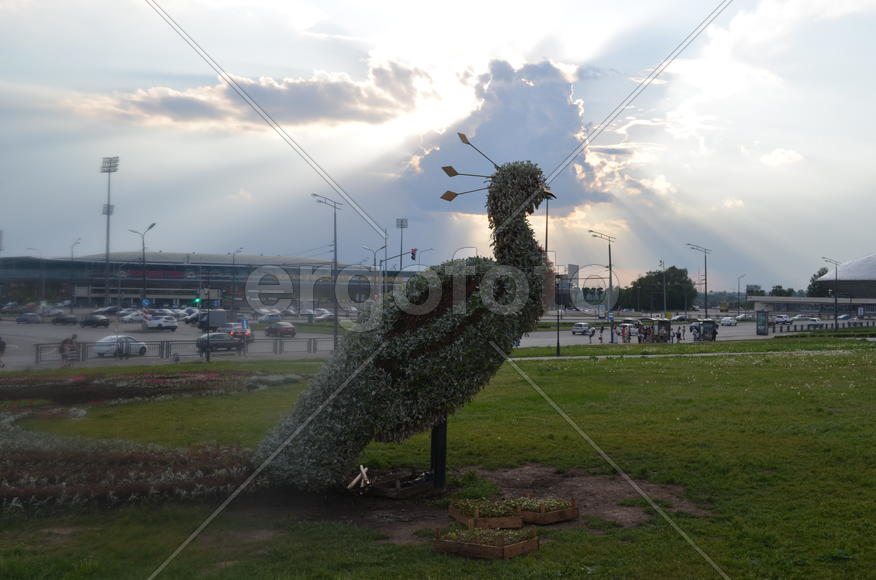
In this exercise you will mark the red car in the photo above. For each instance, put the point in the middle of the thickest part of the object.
(280, 329)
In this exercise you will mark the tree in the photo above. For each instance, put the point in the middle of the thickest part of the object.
(817, 289)
(778, 290)
(646, 292)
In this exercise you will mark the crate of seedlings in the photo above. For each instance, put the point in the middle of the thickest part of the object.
(486, 513)
(489, 544)
(547, 510)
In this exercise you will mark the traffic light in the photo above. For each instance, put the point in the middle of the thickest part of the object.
(413, 253)
(196, 300)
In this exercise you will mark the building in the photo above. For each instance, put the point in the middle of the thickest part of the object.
(853, 283)
(177, 279)
(856, 278)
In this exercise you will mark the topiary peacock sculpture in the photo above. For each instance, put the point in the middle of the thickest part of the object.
(427, 348)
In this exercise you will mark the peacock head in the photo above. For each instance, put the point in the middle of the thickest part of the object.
(516, 190)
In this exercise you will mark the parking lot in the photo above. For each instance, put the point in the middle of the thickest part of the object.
(21, 341)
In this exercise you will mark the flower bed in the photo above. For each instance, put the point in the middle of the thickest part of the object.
(544, 511)
(486, 513)
(31, 479)
(488, 544)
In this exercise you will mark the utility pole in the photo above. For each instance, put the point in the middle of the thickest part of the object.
(335, 207)
(739, 294)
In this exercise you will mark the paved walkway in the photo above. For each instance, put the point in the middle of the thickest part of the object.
(679, 354)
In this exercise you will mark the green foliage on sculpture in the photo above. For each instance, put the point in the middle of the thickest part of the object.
(426, 350)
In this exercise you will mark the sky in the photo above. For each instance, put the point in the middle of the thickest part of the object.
(756, 142)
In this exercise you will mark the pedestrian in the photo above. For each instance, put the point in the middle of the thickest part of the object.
(69, 350)
(2, 352)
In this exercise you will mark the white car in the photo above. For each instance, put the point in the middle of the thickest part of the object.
(160, 323)
(729, 321)
(583, 329)
(133, 317)
(119, 345)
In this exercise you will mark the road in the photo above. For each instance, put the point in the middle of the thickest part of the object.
(21, 338)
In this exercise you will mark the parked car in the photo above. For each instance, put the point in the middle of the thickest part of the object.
(782, 319)
(107, 310)
(65, 319)
(844, 317)
(236, 330)
(729, 321)
(289, 313)
(160, 323)
(742, 317)
(119, 345)
(133, 317)
(679, 318)
(213, 341)
(94, 320)
(270, 318)
(29, 318)
(280, 329)
(325, 318)
(583, 329)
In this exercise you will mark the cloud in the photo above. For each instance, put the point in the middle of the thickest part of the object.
(328, 98)
(734, 203)
(778, 157)
(528, 112)
(243, 194)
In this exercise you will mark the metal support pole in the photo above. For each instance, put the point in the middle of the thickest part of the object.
(610, 294)
(438, 445)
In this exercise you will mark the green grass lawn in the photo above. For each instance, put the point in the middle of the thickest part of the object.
(779, 448)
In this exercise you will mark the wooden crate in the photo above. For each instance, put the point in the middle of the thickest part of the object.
(485, 551)
(401, 488)
(552, 517)
(508, 522)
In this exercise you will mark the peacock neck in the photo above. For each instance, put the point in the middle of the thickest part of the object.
(514, 245)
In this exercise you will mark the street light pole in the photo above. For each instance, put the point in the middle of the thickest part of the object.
(109, 166)
(42, 273)
(374, 257)
(663, 267)
(705, 252)
(557, 303)
(608, 313)
(143, 257)
(739, 294)
(835, 293)
(234, 281)
(401, 224)
(72, 275)
(335, 207)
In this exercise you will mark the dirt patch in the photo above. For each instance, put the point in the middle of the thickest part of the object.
(597, 496)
